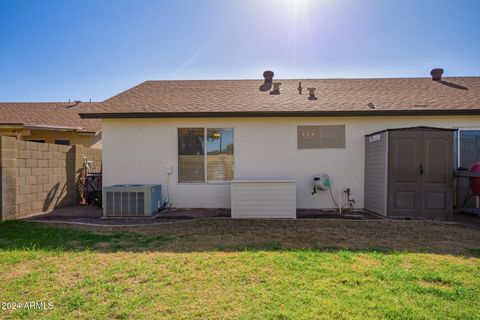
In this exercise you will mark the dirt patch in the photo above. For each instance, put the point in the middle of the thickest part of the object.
(72, 212)
(93, 215)
(334, 214)
(467, 219)
(228, 234)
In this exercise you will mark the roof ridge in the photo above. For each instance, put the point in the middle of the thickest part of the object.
(136, 86)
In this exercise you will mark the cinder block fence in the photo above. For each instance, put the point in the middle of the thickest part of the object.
(39, 177)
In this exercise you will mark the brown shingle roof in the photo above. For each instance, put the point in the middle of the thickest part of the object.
(335, 96)
(48, 115)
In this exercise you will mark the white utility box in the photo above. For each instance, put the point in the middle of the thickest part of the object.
(263, 198)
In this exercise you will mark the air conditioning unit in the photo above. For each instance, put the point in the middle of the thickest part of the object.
(131, 200)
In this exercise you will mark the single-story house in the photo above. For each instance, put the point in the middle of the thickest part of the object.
(195, 137)
(49, 122)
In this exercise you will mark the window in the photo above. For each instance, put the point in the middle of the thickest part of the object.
(63, 142)
(36, 140)
(191, 155)
(315, 137)
(468, 152)
(468, 147)
(205, 155)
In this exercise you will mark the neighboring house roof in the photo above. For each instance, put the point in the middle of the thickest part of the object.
(47, 116)
(196, 98)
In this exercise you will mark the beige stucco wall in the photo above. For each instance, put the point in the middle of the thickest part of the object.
(89, 141)
(263, 148)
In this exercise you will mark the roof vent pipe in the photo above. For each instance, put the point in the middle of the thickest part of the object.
(268, 76)
(311, 92)
(300, 88)
(436, 74)
(276, 88)
(267, 84)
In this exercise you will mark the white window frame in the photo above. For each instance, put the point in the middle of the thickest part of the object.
(205, 141)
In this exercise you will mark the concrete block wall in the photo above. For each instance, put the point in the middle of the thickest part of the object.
(8, 174)
(39, 177)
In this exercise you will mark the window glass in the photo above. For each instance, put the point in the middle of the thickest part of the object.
(191, 156)
(219, 154)
(469, 147)
(63, 142)
(469, 153)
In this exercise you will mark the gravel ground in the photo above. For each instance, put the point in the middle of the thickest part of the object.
(93, 215)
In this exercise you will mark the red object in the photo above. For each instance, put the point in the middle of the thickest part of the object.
(475, 181)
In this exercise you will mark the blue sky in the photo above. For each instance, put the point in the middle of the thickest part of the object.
(65, 49)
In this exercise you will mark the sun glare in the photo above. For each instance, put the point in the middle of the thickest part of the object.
(297, 3)
(295, 15)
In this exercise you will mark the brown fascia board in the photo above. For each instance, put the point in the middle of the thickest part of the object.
(124, 115)
(88, 133)
(7, 125)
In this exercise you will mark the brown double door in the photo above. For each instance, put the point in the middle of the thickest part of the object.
(420, 173)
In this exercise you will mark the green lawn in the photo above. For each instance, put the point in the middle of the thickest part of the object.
(112, 275)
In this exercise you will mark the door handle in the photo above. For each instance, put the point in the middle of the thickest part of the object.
(421, 169)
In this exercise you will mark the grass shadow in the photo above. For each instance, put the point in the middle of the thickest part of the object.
(19, 235)
(474, 252)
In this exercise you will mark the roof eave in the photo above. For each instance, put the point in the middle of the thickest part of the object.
(237, 114)
(51, 127)
(11, 125)
(78, 130)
